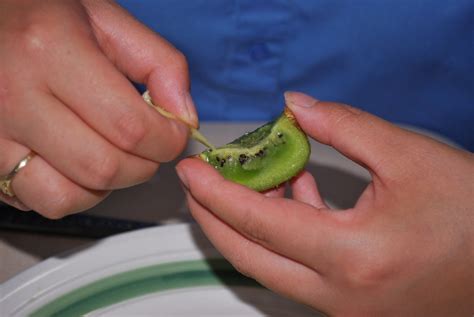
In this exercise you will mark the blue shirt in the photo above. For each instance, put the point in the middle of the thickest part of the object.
(408, 61)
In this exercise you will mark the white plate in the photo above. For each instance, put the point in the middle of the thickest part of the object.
(163, 271)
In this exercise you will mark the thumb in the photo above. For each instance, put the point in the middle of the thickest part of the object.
(364, 138)
(144, 57)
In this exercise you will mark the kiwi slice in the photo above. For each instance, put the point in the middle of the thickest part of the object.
(264, 158)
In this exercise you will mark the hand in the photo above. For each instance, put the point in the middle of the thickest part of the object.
(65, 94)
(405, 249)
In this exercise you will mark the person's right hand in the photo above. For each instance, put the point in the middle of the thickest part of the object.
(65, 94)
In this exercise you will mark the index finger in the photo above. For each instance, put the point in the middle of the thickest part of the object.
(287, 227)
(145, 57)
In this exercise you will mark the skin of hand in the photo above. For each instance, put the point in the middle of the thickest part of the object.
(65, 94)
(405, 249)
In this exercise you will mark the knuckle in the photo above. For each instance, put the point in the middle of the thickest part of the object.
(36, 38)
(4, 165)
(179, 147)
(59, 204)
(370, 272)
(179, 60)
(172, 147)
(151, 171)
(346, 116)
(131, 131)
(241, 261)
(103, 171)
(7, 105)
(148, 170)
(346, 121)
(241, 267)
(9, 110)
(4, 92)
(254, 228)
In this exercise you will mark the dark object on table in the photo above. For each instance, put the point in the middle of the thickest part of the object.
(79, 225)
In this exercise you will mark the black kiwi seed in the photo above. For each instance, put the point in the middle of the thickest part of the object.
(280, 135)
(243, 158)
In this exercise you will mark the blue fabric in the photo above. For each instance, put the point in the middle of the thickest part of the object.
(408, 61)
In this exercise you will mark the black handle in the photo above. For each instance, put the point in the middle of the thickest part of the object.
(79, 225)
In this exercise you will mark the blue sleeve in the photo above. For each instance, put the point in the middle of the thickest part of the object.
(409, 62)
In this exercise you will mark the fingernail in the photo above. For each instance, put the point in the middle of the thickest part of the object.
(182, 176)
(190, 115)
(298, 99)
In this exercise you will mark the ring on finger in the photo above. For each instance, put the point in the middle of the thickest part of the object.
(6, 181)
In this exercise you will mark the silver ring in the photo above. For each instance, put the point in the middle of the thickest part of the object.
(6, 181)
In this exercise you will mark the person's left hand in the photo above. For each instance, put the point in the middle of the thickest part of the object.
(405, 249)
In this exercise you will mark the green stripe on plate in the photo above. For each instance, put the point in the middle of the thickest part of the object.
(131, 284)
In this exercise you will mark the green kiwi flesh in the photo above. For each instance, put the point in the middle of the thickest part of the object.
(264, 158)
